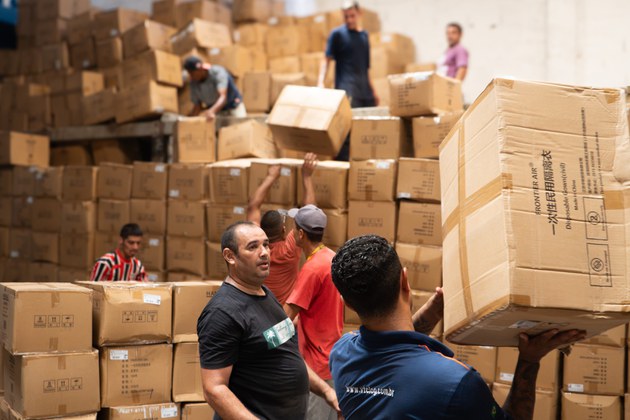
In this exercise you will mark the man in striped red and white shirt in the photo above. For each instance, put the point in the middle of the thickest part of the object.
(122, 264)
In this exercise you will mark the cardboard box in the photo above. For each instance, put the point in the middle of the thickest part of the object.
(418, 179)
(78, 217)
(205, 10)
(83, 54)
(70, 155)
(55, 57)
(246, 139)
(201, 34)
(400, 46)
(220, 216)
(216, 265)
(189, 299)
(251, 35)
(150, 180)
(135, 375)
(330, 181)
(336, 230)
(547, 374)
(145, 412)
(43, 272)
(150, 215)
(372, 180)
(45, 247)
(52, 384)
(109, 52)
(20, 244)
(76, 250)
(50, 31)
(114, 181)
(145, 100)
(429, 132)
(186, 255)
(6, 181)
(186, 218)
(615, 337)
(131, 312)
(187, 181)
(52, 317)
(163, 11)
(5, 242)
(22, 212)
(79, 183)
(158, 66)
(237, 59)
(582, 406)
(229, 182)
(46, 215)
(510, 211)
(378, 138)
(383, 63)
(197, 411)
(80, 27)
(283, 190)
(24, 180)
(99, 107)
(419, 223)
(115, 151)
(257, 91)
(420, 67)
(178, 276)
(252, 10)
(285, 65)
(482, 358)
(195, 140)
(546, 406)
(6, 211)
(413, 94)
(372, 218)
(69, 274)
(187, 384)
(287, 40)
(280, 81)
(113, 215)
(48, 182)
(595, 370)
(84, 82)
(311, 119)
(112, 77)
(147, 35)
(423, 263)
(115, 22)
(105, 242)
(24, 149)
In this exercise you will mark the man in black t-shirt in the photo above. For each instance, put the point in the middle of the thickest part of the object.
(251, 366)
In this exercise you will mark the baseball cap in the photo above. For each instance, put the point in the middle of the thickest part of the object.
(310, 218)
(192, 63)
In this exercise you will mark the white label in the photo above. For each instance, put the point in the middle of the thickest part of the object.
(421, 77)
(575, 387)
(29, 200)
(152, 277)
(507, 377)
(113, 32)
(437, 120)
(160, 168)
(173, 193)
(273, 21)
(159, 109)
(235, 172)
(118, 355)
(154, 242)
(239, 210)
(404, 195)
(86, 64)
(33, 169)
(319, 18)
(168, 412)
(383, 165)
(237, 36)
(524, 325)
(386, 38)
(152, 299)
(215, 51)
(14, 254)
(285, 171)
(57, 65)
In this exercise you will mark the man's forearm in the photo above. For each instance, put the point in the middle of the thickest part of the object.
(522, 397)
(461, 73)
(257, 199)
(195, 111)
(218, 105)
(309, 191)
(316, 384)
(323, 69)
(227, 405)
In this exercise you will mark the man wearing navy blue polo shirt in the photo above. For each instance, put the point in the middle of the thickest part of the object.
(390, 369)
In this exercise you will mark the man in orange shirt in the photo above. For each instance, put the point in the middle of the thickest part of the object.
(285, 253)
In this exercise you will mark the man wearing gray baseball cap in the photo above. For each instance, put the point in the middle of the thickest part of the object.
(316, 299)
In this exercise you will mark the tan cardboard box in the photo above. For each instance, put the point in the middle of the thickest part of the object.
(69, 274)
(163, 11)
(114, 181)
(109, 52)
(84, 82)
(24, 180)
(79, 183)
(418, 299)
(251, 35)
(217, 268)
(131, 312)
(136, 375)
(43, 272)
(70, 155)
(252, 10)
(518, 205)
(286, 40)
(99, 107)
(595, 370)
(280, 81)
(55, 57)
(200, 34)
(257, 91)
(615, 337)
(13, 270)
(186, 218)
(289, 64)
(418, 179)
(401, 46)
(113, 215)
(197, 411)
(311, 119)
(246, 139)
(336, 232)
(547, 374)
(24, 149)
(189, 299)
(330, 181)
(80, 26)
(76, 250)
(51, 31)
(419, 223)
(372, 180)
(52, 384)
(195, 140)
(46, 317)
(379, 138)
(423, 264)
(419, 67)
(115, 151)
(114, 22)
(105, 242)
(153, 65)
(150, 180)
(112, 76)
(310, 64)
(372, 218)
(78, 217)
(482, 358)
(237, 59)
(229, 182)
(187, 181)
(205, 10)
(582, 406)
(20, 244)
(6, 181)
(4, 242)
(22, 212)
(83, 54)
(6, 211)
(187, 384)
(429, 132)
(45, 247)
(147, 35)
(176, 276)
(144, 412)
(150, 215)
(153, 252)
(414, 94)
(546, 401)
(145, 100)
(220, 216)
(283, 190)
(186, 254)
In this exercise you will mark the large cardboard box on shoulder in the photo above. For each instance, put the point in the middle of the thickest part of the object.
(583, 406)
(162, 411)
(189, 299)
(220, 216)
(430, 131)
(546, 406)
(150, 180)
(257, 91)
(532, 207)
(229, 182)
(283, 190)
(147, 35)
(423, 264)
(372, 218)
(595, 370)
(330, 182)
(201, 34)
(153, 65)
(187, 181)
(197, 411)
(24, 149)
(414, 94)
(145, 100)
(311, 119)
(195, 140)
(379, 138)
(372, 180)
(247, 139)
(418, 179)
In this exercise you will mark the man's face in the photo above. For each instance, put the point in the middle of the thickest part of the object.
(453, 35)
(131, 246)
(252, 263)
(197, 75)
(351, 18)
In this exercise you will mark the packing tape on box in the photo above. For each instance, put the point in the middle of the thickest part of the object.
(53, 343)
(55, 299)
(62, 409)
(61, 362)
(614, 200)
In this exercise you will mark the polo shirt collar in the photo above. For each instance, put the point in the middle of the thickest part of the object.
(387, 338)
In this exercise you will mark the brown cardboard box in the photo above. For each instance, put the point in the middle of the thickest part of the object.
(280, 81)
(591, 407)
(205, 10)
(163, 11)
(80, 27)
(6, 211)
(418, 179)
(195, 140)
(52, 384)
(423, 263)
(143, 412)
(372, 218)
(201, 34)
(20, 244)
(6, 181)
(229, 182)
(187, 384)
(24, 180)
(547, 374)
(283, 190)
(429, 132)
(83, 54)
(76, 250)
(22, 212)
(286, 40)
(146, 100)
(178, 276)
(79, 183)
(595, 370)
(115, 151)
(330, 181)
(53, 317)
(45, 247)
(99, 107)
(246, 139)
(197, 411)
(237, 59)
(78, 217)
(70, 155)
(43, 272)
(285, 65)
(310, 64)
(105, 242)
(115, 22)
(420, 67)
(135, 375)
(150, 180)
(13, 270)
(112, 215)
(251, 35)
(220, 216)
(378, 138)
(546, 401)
(252, 10)
(502, 169)
(383, 63)
(24, 149)
(112, 77)
(46, 215)
(153, 65)
(311, 119)
(114, 181)
(51, 31)
(372, 180)
(150, 215)
(186, 218)
(109, 52)
(69, 274)
(186, 254)
(4, 242)
(257, 91)
(147, 35)
(216, 265)
(187, 181)
(189, 299)
(414, 94)
(419, 223)
(615, 337)
(336, 232)
(401, 47)
(84, 82)
(131, 312)
(55, 57)
(482, 358)
(153, 252)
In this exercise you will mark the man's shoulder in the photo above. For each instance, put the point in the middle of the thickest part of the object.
(107, 258)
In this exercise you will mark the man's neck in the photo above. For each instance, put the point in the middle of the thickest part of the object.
(123, 255)
(308, 247)
(454, 45)
(254, 290)
(399, 320)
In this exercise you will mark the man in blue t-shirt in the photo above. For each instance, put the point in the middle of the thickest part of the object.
(390, 369)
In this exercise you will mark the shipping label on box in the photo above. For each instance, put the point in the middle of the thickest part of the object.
(186, 218)
(216, 265)
(187, 182)
(187, 384)
(429, 132)
(78, 217)
(283, 190)
(220, 216)
(45, 247)
(583, 406)
(186, 254)
(330, 182)
(595, 370)
(150, 215)
(372, 180)
(507, 357)
(378, 138)
(247, 139)
(79, 183)
(114, 181)
(150, 180)
(372, 218)
(418, 179)
(189, 299)
(423, 264)
(419, 223)
(195, 140)
(113, 215)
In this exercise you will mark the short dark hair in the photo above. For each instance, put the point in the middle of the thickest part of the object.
(313, 237)
(272, 224)
(347, 5)
(130, 229)
(456, 26)
(228, 239)
(366, 271)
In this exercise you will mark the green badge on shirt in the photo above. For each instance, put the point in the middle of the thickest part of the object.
(279, 333)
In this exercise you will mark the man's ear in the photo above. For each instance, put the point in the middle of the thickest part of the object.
(229, 256)
(404, 281)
